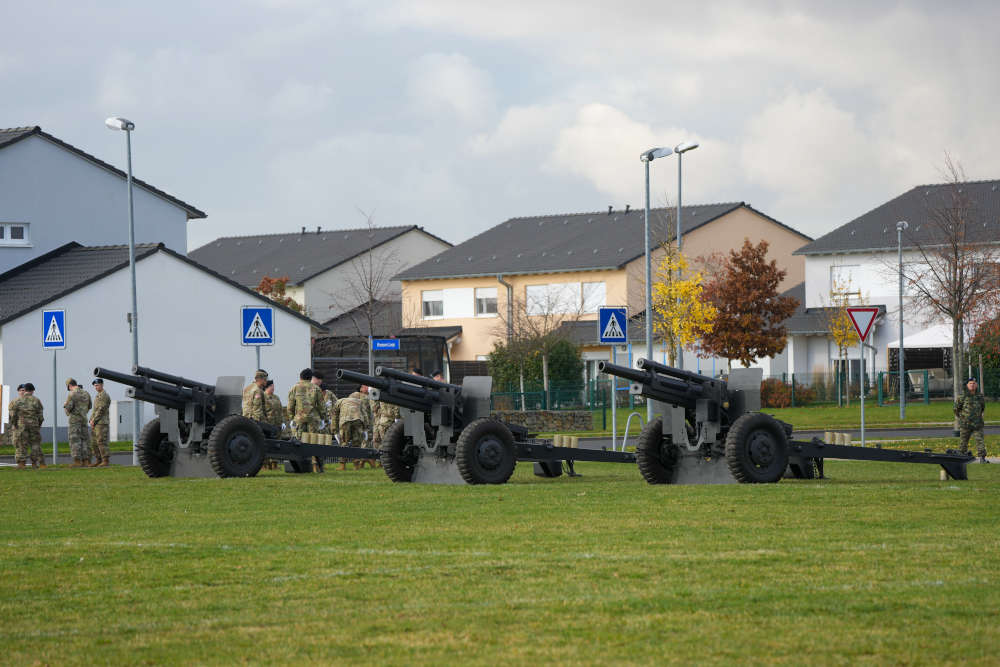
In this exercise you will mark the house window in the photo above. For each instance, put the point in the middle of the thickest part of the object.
(844, 280)
(594, 296)
(486, 301)
(433, 303)
(14, 234)
(536, 297)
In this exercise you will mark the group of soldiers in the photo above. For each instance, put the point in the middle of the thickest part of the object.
(88, 438)
(311, 409)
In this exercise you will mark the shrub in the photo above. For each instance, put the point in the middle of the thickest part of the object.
(776, 394)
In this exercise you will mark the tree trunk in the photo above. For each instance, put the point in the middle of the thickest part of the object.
(545, 377)
(520, 377)
(957, 362)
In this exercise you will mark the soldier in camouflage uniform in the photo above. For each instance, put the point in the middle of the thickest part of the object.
(274, 414)
(326, 402)
(305, 409)
(13, 430)
(384, 416)
(99, 424)
(352, 418)
(370, 408)
(77, 406)
(28, 414)
(253, 397)
(969, 409)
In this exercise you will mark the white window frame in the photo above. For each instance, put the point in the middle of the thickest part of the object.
(428, 296)
(484, 294)
(6, 240)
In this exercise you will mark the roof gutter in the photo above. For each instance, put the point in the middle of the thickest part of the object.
(510, 307)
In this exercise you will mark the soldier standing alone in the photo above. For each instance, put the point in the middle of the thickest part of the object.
(28, 414)
(100, 423)
(253, 397)
(969, 409)
(77, 406)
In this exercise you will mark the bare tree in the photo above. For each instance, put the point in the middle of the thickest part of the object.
(956, 274)
(367, 291)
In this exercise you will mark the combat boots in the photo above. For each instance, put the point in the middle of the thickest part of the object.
(20, 465)
(41, 464)
(77, 463)
(103, 463)
(982, 459)
(97, 462)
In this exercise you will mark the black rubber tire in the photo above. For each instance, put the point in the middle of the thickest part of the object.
(656, 455)
(756, 449)
(236, 447)
(485, 453)
(398, 456)
(154, 451)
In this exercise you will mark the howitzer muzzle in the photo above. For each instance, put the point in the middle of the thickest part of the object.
(361, 378)
(387, 372)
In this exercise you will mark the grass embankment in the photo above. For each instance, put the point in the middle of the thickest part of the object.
(880, 563)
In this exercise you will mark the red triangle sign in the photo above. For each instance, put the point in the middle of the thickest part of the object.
(862, 317)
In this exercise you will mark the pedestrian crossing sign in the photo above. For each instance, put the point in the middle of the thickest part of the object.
(257, 325)
(612, 324)
(54, 329)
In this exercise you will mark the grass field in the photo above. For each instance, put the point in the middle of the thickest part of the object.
(880, 563)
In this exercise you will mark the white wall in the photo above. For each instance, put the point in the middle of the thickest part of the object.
(64, 197)
(325, 294)
(189, 325)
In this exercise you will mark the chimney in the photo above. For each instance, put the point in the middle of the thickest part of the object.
(610, 208)
(303, 230)
(317, 229)
(627, 207)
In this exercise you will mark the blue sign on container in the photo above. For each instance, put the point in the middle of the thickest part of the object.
(385, 343)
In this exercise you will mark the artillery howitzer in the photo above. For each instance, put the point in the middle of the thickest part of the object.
(710, 430)
(446, 429)
(199, 430)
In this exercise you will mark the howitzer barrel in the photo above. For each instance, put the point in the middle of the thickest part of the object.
(649, 364)
(120, 378)
(630, 374)
(150, 391)
(172, 379)
(361, 378)
(385, 371)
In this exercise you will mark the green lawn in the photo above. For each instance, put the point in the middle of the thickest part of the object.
(880, 563)
(821, 417)
(123, 446)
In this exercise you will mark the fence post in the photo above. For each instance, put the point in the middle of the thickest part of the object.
(927, 389)
(881, 376)
(793, 390)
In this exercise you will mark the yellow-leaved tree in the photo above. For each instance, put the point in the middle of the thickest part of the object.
(838, 323)
(682, 315)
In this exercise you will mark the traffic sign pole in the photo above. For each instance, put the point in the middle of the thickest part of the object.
(55, 410)
(863, 318)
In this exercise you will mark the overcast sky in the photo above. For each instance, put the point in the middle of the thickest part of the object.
(456, 115)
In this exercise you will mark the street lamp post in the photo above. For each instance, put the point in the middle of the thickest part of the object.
(126, 126)
(680, 149)
(646, 158)
(900, 226)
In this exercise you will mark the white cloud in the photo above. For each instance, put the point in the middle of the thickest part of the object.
(299, 99)
(522, 128)
(451, 85)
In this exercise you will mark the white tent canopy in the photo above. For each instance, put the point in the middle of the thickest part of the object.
(936, 336)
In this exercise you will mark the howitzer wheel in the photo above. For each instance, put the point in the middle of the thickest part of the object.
(236, 447)
(154, 451)
(484, 452)
(756, 449)
(398, 457)
(656, 455)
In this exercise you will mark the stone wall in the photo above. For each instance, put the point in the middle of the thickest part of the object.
(548, 421)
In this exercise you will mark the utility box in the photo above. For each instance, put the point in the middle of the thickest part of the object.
(120, 418)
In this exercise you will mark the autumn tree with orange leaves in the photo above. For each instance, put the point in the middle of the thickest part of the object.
(274, 289)
(748, 324)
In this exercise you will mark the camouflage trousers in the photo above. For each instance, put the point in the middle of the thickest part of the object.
(378, 433)
(29, 439)
(352, 433)
(99, 441)
(304, 426)
(79, 440)
(975, 434)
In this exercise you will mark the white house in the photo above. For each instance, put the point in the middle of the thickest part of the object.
(861, 257)
(330, 271)
(52, 193)
(188, 316)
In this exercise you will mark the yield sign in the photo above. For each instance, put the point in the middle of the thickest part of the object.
(862, 317)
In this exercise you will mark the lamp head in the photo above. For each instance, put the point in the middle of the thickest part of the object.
(119, 123)
(685, 146)
(902, 225)
(654, 153)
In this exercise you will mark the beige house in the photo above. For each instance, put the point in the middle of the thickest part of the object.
(566, 266)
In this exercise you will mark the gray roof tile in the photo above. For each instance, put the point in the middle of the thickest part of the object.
(300, 256)
(876, 229)
(563, 242)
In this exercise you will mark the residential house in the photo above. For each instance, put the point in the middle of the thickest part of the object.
(569, 265)
(330, 271)
(52, 192)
